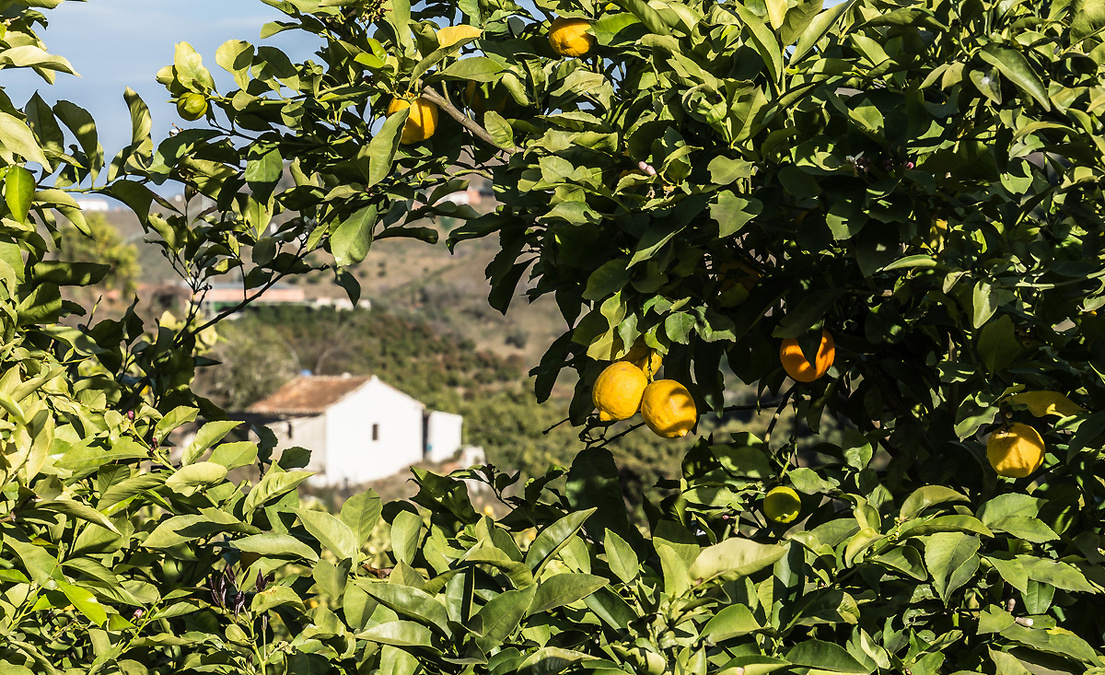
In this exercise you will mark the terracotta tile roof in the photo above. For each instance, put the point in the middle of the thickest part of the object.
(308, 394)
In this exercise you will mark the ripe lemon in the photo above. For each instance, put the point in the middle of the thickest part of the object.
(191, 106)
(668, 409)
(796, 364)
(422, 122)
(569, 37)
(782, 504)
(618, 390)
(645, 358)
(1015, 451)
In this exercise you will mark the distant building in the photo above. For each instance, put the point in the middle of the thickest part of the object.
(93, 204)
(358, 429)
(225, 296)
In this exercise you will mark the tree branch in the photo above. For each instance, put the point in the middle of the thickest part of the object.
(479, 132)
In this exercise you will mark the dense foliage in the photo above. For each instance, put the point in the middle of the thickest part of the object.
(921, 179)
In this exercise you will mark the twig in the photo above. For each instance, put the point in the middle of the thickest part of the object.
(479, 132)
(607, 441)
(546, 431)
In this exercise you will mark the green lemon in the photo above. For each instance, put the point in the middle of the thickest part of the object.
(782, 504)
(191, 106)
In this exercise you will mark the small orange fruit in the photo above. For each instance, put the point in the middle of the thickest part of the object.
(1015, 451)
(796, 365)
(422, 122)
(668, 409)
(617, 391)
(569, 37)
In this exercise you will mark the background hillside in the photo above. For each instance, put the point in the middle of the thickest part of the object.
(431, 334)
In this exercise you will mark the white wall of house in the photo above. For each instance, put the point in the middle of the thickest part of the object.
(442, 435)
(302, 432)
(372, 433)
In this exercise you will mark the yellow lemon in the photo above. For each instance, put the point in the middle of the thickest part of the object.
(644, 357)
(569, 37)
(618, 390)
(782, 504)
(668, 409)
(422, 121)
(191, 106)
(796, 365)
(1015, 451)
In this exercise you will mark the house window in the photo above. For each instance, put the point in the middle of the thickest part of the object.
(375, 432)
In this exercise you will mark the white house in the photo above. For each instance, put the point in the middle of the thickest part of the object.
(358, 429)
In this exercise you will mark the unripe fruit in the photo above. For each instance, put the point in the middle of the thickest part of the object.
(191, 106)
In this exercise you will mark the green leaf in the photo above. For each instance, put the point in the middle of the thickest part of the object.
(475, 68)
(16, 136)
(998, 344)
(40, 566)
(275, 596)
(645, 14)
(173, 419)
(824, 656)
(919, 260)
(406, 532)
(621, 557)
(189, 69)
(612, 276)
(735, 558)
(764, 40)
(732, 213)
(19, 189)
(553, 538)
(502, 614)
(818, 28)
(208, 435)
(564, 589)
(952, 559)
(807, 313)
(274, 484)
(192, 477)
(410, 602)
(331, 532)
(264, 167)
(1013, 65)
(499, 129)
(382, 147)
(235, 455)
(926, 496)
(361, 512)
(274, 545)
(79, 510)
(84, 601)
(395, 661)
(729, 622)
(399, 634)
(353, 237)
(1011, 570)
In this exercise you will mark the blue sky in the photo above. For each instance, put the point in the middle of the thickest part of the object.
(114, 44)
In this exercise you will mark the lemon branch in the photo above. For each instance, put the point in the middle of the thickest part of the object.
(430, 94)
